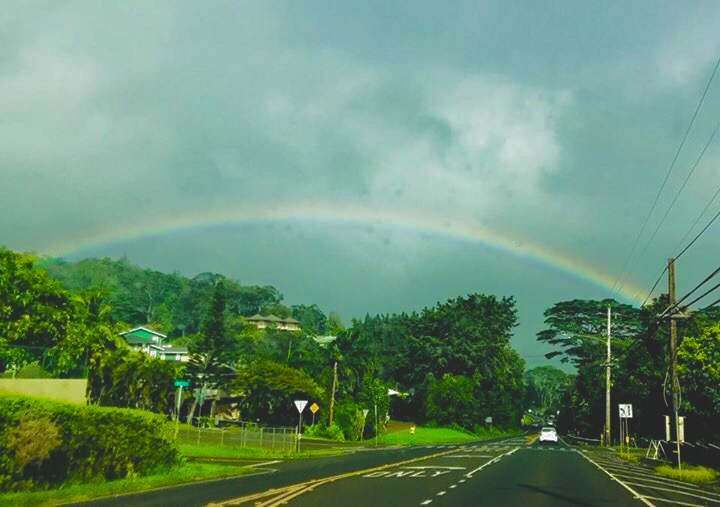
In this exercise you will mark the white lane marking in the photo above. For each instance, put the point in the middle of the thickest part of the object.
(674, 502)
(494, 460)
(453, 486)
(658, 480)
(437, 466)
(635, 493)
(675, 491)
(426, 502)
(462, 480)
(468, 456)
(265, 463)
(441, 493)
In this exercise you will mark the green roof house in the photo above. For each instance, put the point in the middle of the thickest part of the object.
(143, 339)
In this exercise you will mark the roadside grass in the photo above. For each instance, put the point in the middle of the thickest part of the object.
(690, 473)
(425, 435)
(225, 451)
(79, 492)
(633, 455)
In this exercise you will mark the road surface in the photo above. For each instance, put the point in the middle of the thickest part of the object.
(505, 472)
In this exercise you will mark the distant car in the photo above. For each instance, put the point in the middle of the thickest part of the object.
(548, 434)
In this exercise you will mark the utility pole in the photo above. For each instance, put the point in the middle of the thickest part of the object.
(673, 352)
(608, 437)
(332, 397)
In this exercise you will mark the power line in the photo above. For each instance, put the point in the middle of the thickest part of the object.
(682, 187)
(675, 305)
(689, 244)
(667, 175)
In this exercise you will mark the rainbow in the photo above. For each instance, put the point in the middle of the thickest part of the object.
(322, 213)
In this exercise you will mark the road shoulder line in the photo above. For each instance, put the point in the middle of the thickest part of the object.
(635, 493)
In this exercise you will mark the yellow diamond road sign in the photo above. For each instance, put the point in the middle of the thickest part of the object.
(314, 407)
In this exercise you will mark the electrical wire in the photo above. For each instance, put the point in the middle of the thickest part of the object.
(675, 305)
(697, 236)
(677, 195)
(667, 175)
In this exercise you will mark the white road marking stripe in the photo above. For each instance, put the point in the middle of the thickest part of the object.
(635, 477)
(674, 501)
(441, 493)
(675, 491)
(635, 493)
(265, 463)
(426, 502)
(453, 486)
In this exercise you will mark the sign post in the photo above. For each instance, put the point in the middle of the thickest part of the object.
(300, 405)
(365, 413)
(625, 412)
(314, 408)
(178, 396)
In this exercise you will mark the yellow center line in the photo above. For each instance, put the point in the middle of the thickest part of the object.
(299, 488)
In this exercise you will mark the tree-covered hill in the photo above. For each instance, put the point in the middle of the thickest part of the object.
(172, 302)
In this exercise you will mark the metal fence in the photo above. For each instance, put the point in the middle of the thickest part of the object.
(240, 434)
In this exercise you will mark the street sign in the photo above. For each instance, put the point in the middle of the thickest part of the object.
(300, 404)
(182, 383)
(314, 408)
(365, 411)
(625, 411)
(488, 420)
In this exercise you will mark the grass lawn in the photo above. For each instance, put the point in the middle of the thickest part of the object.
(79, 492)
(690, 473)
(434, 436)
(193, 449)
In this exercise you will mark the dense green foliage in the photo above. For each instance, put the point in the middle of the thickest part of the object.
(130, 379)
(45, 443)
(34, 310)
(544, 388)
(640, 366)
(268, 390)
(425, 356)
(467, 338)
(171, 302)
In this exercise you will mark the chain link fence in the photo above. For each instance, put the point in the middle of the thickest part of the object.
(239, 434)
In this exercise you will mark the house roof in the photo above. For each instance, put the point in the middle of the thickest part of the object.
(174, 349)
(272, 318)
(142, 330)
(324, 340)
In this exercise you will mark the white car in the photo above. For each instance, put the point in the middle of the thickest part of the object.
(548, 434)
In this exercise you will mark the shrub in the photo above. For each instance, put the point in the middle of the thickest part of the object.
(333, 432)
(350, 419)
(81, 443)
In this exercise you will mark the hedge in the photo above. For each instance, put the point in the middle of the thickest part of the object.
(44, 443)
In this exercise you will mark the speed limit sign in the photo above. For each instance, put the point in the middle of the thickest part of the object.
(625, 411)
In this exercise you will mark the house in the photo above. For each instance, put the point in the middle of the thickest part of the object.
(324, 341)
(174, 353)
(150, 342)
(142, 338)
(271, 321)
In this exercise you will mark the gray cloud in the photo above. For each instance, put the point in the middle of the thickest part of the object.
(551, 123)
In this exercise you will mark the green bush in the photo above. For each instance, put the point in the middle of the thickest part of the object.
(349, 418)
(333, 432)
(80, 443)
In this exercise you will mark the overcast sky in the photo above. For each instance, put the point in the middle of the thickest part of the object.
(553, 123)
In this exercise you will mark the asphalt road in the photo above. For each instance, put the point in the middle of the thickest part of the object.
(494, 473)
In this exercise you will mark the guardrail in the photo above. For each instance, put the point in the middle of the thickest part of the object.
(583, 441)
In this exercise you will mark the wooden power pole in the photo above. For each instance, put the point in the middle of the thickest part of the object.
(332, 396)
(608, 436)
(673, 352)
